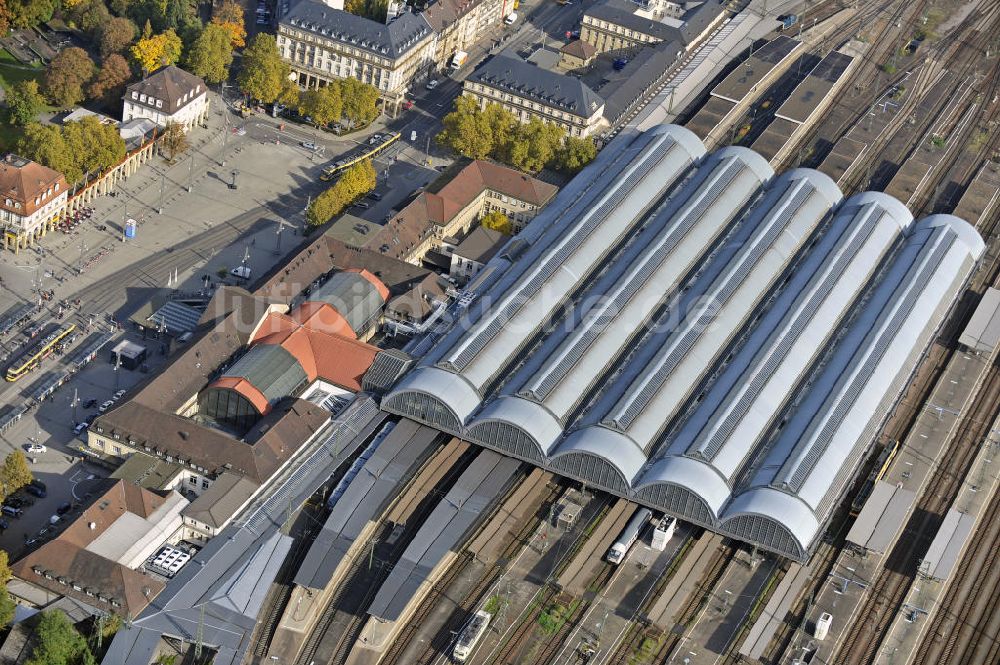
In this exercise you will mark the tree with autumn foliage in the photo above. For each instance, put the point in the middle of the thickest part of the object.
(116, 36)
(264, 75)
(157, 51)
(229, 15)
(109, 84)
(354, 183)
(67, 75)
(211, 54)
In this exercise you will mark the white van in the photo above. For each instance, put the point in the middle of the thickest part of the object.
(511, 19)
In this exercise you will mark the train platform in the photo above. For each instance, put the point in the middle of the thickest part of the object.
(684, 581)
(528, 574)
(809, 101)
(937, 570)
(727, 609)
(982, 196)
(614, 609)
(912, 178)
(448, 612)
(589, 560)
(731, 98)
(854, 145)
(855, 570)
(346, 534)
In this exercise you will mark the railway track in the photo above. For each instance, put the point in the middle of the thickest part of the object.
(961, 625)
(886, 596)
(515, 640)
(722, 558)
(472, 599)
(277, 598)
(343, 617)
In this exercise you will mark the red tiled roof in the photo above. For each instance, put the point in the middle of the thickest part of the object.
(67, 557)
(322, 317)
(332, 357)
(243, 387)
(22, 180)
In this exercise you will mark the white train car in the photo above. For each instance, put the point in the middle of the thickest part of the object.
(629, 535)
(664, 532)
(470, 636)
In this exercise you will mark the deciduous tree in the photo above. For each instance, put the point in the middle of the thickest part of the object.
(110, 81)
(575, 153)
(117, 35)
(264, 73)
(360, 101)
(5, 18)
(24, 101)
(45, 145)
(66, 76)
(57, 642)
(157, 51)
(211, 54)
(6, 602)
(323, 105)
(496, 221)
(229, 15)
(355, 182)
(90, 16)
(14, 474)
(29, 13)
(467, 130)
(95, 146)
(533, 145)
(174, 140)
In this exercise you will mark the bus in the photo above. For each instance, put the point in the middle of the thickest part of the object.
(470, 636)
(882, 462)
(40, 350)
(375, 145)
(629, 535)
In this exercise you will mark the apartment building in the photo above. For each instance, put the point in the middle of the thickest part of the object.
(527, 91)
(459, 23)
(323, 43)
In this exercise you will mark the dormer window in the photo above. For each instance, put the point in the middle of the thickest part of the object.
(142, 98)
(159, 103)
(135, 95)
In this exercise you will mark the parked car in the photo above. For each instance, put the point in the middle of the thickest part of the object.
(35, 448)
(4, 525)
(107, 405)
(36, 491)
(64, 508)
(13, 502)
(11, 511)
(309, 145)
(433, 83)
(118, 395)
(408, 104)
(90, 403)
(80, 428)
(375, 196)
(39, 484)
(361, 204)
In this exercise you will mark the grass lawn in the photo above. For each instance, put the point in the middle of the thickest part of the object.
(12, 72)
